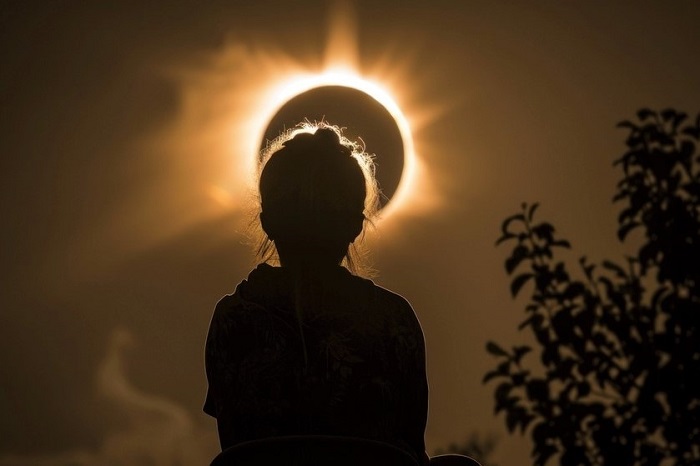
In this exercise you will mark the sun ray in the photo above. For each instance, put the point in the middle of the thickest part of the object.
(230, 96)
(341, 44)
(206, 153)
(342, 67)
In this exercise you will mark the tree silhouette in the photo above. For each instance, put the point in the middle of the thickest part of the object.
(618, 376)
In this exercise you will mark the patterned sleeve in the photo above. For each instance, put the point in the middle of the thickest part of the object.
(420, 414)
(217, 356)
(415, 414)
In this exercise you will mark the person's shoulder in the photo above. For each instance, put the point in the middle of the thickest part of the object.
(386, 296)
(232, 304)
(398, 313)
(393, 297)
(225, 308)
(225, 305)
(263, 274)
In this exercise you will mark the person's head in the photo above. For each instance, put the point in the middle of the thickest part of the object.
(317, 190)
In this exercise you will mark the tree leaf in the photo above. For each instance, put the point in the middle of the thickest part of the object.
(667, 114)
(504, 238)
(520, 253)
(645, 114)
(544, 231)
(562, 243)
(679, 118)
(619, 271)
(518, 283)
(502, 396)
(495, 349)
(525, 323)
(624, 230)
(532, 210)
(490, 375)
(626, 124)
(573, 290)
(519, 352)
(506, 223)
(512, 420)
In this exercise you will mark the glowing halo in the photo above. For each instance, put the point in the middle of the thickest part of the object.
(224, 100)
(296, 85)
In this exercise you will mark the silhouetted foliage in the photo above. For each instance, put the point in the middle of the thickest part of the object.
(618, 376)
(476, 446)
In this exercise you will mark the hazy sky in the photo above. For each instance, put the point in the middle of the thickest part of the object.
(125, 128)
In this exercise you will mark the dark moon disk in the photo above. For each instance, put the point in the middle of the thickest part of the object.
(360, 116)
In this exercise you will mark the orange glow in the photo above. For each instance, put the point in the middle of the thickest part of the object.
(229, 101)
(299, 84)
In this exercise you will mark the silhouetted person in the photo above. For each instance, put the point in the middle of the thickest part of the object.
(307, 347)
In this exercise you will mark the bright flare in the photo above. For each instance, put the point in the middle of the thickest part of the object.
(229, 101)
(335, 77)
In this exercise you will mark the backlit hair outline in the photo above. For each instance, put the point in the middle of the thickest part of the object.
(355, 258)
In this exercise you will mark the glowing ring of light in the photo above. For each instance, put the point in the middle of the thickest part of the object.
(296, 85)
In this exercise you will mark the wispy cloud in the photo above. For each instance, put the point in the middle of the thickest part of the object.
(159, 432)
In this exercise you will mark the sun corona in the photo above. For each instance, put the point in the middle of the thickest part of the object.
(230, 103)
(294, 86)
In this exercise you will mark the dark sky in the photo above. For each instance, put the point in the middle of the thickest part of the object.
(116, 122)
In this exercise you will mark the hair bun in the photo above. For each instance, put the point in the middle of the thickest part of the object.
(327, 136)
(323, 142)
